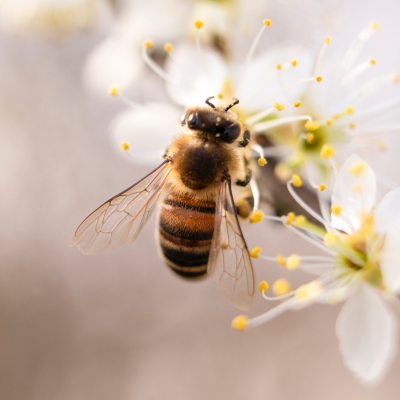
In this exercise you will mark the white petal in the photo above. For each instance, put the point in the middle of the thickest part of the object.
(387, 212)
(253, 96)
(116, 61)
(367, 333)
(389, 260)
(355, 193)
(148, 130)
(194, 80)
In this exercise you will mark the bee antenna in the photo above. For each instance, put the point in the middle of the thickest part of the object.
(235, 101)
(208, 101)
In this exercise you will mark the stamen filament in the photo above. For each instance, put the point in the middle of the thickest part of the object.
(154, 67)
(256, 194)
(270, 314)
(319, 57)
(202, 60)
(370, 87)
(355, 48)
(355, 72)
(250, 54)
(306, 206)
(262, 126)
(260, 115)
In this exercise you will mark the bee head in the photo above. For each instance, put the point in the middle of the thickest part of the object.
(216, 121)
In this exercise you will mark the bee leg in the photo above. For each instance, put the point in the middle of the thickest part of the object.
(247, 179)
(246, 139)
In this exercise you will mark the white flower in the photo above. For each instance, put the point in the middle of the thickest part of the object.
(117, 60)
(362, 267)
(52, 17)
(194, 73)
(343, 107)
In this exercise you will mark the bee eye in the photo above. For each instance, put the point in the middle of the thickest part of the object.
(192, 121)
(231, 133)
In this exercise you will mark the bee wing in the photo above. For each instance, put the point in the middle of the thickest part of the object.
(120, 220)
(229, 264)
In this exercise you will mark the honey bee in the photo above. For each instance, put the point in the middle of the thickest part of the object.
(198, 229)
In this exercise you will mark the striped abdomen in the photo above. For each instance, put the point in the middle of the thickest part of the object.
(185, 233)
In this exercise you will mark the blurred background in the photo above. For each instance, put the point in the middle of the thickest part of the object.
(121, 325)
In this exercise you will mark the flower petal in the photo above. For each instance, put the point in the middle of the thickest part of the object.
(195, 81)
(366, 329)
(389, 260)
(113, 62)
(355, 191)
(387, 212)
(148, 130)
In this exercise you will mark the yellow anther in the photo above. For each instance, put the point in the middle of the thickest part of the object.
(321, 187)
(263, 286)
(278, 106)
(335, 116)
(290, 218)
(349, 110)
(327, 40)
(395, 78)
(374, 25)
(239, 323)
(336, 209)
(297, 181)
(330, 239)
(281, 287)
(293, 62)
(300, 220)
(352, 125)
(328, 122)
(308, 291)
(256, 216)
(327, 151)
(310, 137)
(262, 162)
(278, 66)
(356, 169)
(113, 91)
(267, 23)
(148, 44)
(220, 96)
(168, 47)
(255, 251)
(318, 78)
(198, 24)
(297, 103)
(124, 146)
(372, 61)
(293, 262)
(280, 260)
(311, 126)
(382, 146)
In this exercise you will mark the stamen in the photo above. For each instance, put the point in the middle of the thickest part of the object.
(124, 146)
(278, 106)
(321, 187)
(256, 194)
(254, 252)
(239, 323)
(270, 314)
(260, 115)
(113, 91)
(357, 71)
(256, 216)
(153, 66)
(327, 151)
(379, 108)
(263, 286)
(297, 181)
(262, 162)
(281, 287)
(266, 23)
(327, 41)
(198, 25)
(116, 92)
(264, 126)
(372, 86)
(293, 262)
(356, 46)
(297, 104)
(305, 206)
